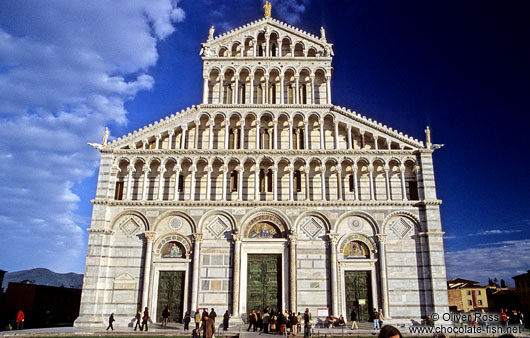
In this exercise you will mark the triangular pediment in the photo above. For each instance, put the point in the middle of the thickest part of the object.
(345, 116)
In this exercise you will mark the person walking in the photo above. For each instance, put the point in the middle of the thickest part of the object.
(197, 318)
(20, 320)
(187, 320)
(111, 320)
(208, 327)
(212, 315)
(252, 319)
(145, 318)
(138, 318)
(353, 318)
(165, 315)
(266, 321)
(226, 320)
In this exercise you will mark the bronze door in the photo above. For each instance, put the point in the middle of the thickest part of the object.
(264, 282)
(170, 293)
(358, 295)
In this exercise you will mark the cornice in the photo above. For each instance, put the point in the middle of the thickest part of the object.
(110, 202)
(266, 152)
(268, 106)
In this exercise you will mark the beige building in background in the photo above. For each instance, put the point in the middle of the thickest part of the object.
(466, 295)
(265, 194)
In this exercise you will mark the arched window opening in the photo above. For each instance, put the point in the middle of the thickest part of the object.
(412, 190)
(118, 193)
(301, 138)
(304, 94)
(231, 139)
(297, 181)
(273, 50)
(260, 50)
(290, 94)
(261, 180)
(265, 139)
(229, 94)
(260, 94)
(242, 94)
(181, 182)
(273, 94)
(269, 181)
(233, 180)
(295, 138)
(351, 183)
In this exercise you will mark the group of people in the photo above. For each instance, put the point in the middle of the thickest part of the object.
(378, 318)
(273, 322)
(513, 317)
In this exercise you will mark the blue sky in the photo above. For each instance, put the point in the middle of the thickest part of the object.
(68, 69)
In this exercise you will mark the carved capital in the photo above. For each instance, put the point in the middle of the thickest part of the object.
(209, 168)
(224, 168)
(381, 238)
(193, 168)
(161, 170)
(146, 168)
(290, 168)
(149, 236)
(333, 237)
(236, 236)
(197, 237)
(131, 169)
(386, 168)
(171, 132)
(184, 127)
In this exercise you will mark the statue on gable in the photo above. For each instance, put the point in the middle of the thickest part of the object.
(428, 137)
(267, 8)
(206, 50)
(105, 136)
(322, 34)
(210, 33)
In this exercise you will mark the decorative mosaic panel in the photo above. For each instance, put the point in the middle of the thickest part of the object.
(175, 223)
(312, 227)
(218, 226)
(401, 227)
(355, 223)
(130, 226)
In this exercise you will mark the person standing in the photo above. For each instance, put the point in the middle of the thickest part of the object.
(307, 317)
(197, 318)
(259, 321)
(20, 320)
(375, 317)
(208, 327)
(204, 315)
(226, 320)
(145, 318)
(138, 320)
(187, 320)
(252, 319)
(212, 315)
(165, 316)
(299, 322)
(353, 317)
(111, 320)
(381, 318)
(273, 321)
(266, 321)
(294, 324)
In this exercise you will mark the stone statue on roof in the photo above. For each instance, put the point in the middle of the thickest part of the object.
(322, 34)
(210, 34)
(428, 137)
(267, 8)
(105, 136)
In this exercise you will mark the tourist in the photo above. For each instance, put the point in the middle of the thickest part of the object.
(165, 315)
(307, 330)
(472, 321)
(266, 321)
(521, 318)
(353, 317)
(307, 316)
(212, 315)
(138, 318)
(145, 318)
(197, 318)
(20, 320)
(259, 321)
(252, 320)
(294, 324)
(375, 318)
(187, 320)
(111, 320)
(331, 321)
(226, 319)
(208, 327)
(388, 331)
(281, 322)
(274, 321)
(504, 318)
(299, 322)
(341, 321)
(204, 315)
(381, 318)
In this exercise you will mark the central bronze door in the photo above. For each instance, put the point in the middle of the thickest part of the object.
(264, 282)
(170, 294)
(358, 295)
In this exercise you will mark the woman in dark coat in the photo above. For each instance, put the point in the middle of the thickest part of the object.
(226, 319)
(187, 320)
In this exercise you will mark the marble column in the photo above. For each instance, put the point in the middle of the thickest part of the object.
(236, 238)
(161, 172)
(221, 88)
(355, 184)
(363, 143)
(275, 182)
(313, 101)
(196, 141)
(333, 237)
(267, 44)
(195, 283)
(205, 90)
(290, 134)
(291, 183)
(275, 133)
(328, 89)
(240, 171)
(306, 175)
(371, 175)
(282, 78)
(382, 273)
(323, 180)
(157, 139)
(251, 89)
(193, 169)
(149, 237)
(256, 183)
(176, 192)
(210, 132)
(306, 134)
(170, 133)
(296, 93)
(146, 171)
(242, 135)
(258, 136)
(224, 168)
(266, 93)
(209, 170)
(227, 134)
(145, 144)
(336, 132)
(183, 137)
(349, 137)
(387, 182)
(292, 270)
(322, 141)
(376, 146)
(235, 99)
(403, 184)
(130, 171)
(339, 183)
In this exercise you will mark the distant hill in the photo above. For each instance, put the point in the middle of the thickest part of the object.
(42, 276)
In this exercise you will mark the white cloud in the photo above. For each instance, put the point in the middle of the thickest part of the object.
(502, 260)
(486, 233)
(66, 70)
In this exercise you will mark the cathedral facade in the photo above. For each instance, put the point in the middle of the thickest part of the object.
(265, 194)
